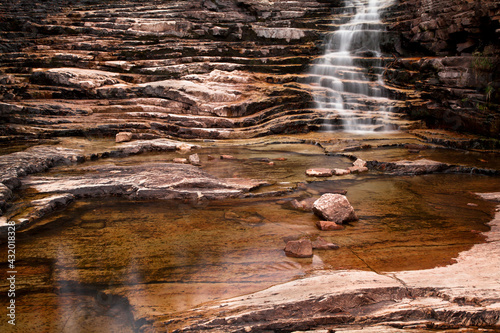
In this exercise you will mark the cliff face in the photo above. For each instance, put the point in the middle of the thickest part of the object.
(449, 52)
(228, 68)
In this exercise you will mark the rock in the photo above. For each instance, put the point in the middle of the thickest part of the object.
(335, 208)
(322, 244)
(299, 248)
(320, 172)
(307, 204)
(357, 169)
(123, 137)
(194, 159)
(143, 181)
(359, 163)
(226, 157)
(341, 172)
(180, 160)
(328, 226)
(404, 167)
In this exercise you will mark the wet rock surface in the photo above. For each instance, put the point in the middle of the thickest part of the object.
(451, 297)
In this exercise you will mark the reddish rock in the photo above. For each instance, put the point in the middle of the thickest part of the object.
(328, 226)
(123, 137)
(226, 157)
(341, 172)
(280, 159)
(180, 160)
(322, 244)
(299, 248)
(319, 172)
(334, 208)
(357, 169)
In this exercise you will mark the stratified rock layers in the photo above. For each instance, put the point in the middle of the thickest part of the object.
(223, 69)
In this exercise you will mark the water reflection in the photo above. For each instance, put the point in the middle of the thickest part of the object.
(103, 262)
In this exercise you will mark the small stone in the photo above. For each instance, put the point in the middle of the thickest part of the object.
(280, 159)
(471, 204)
(322, 244)
(210, 157)
(341, 172)
(357, 169)
(123, 137)
(226, 157)
(194, 159)
(320, 172)
(328, 226)
(184, 146)
(180, 160)
(359, 163)
(334, 208)
(299, 249)
(270, 163)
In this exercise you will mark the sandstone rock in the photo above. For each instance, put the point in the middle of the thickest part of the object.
(357, 169)
(335, 208)
(328, 226)
(143, 181)
(341, 172)
(299, 248)
(123, 137)
(194, 159)
(417, 167)
(226, 157)
(319, 172)
(359, 163)
(322, 244)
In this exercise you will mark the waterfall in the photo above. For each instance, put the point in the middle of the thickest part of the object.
(347, 80)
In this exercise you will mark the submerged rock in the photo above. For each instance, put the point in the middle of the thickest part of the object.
(335, 208)
(321, 244)
(299, 248)
(328, 226)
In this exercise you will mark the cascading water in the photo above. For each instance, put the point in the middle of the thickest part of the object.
(347, 80)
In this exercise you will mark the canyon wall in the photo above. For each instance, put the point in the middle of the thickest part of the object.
(229, 68)
(448, 51)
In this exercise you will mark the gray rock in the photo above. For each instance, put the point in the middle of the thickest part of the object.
(335, 208)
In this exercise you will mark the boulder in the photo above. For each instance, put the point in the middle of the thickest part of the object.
(299, 248)
(328, 226)
(194, 159)
(123, 137)
(322, 244)
(320, 172)
(335, 208)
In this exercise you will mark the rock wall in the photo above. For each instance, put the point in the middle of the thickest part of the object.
(449, 52)
(229, 68)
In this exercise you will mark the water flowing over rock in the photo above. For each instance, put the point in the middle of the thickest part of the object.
(335, 208)
(350, 72)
